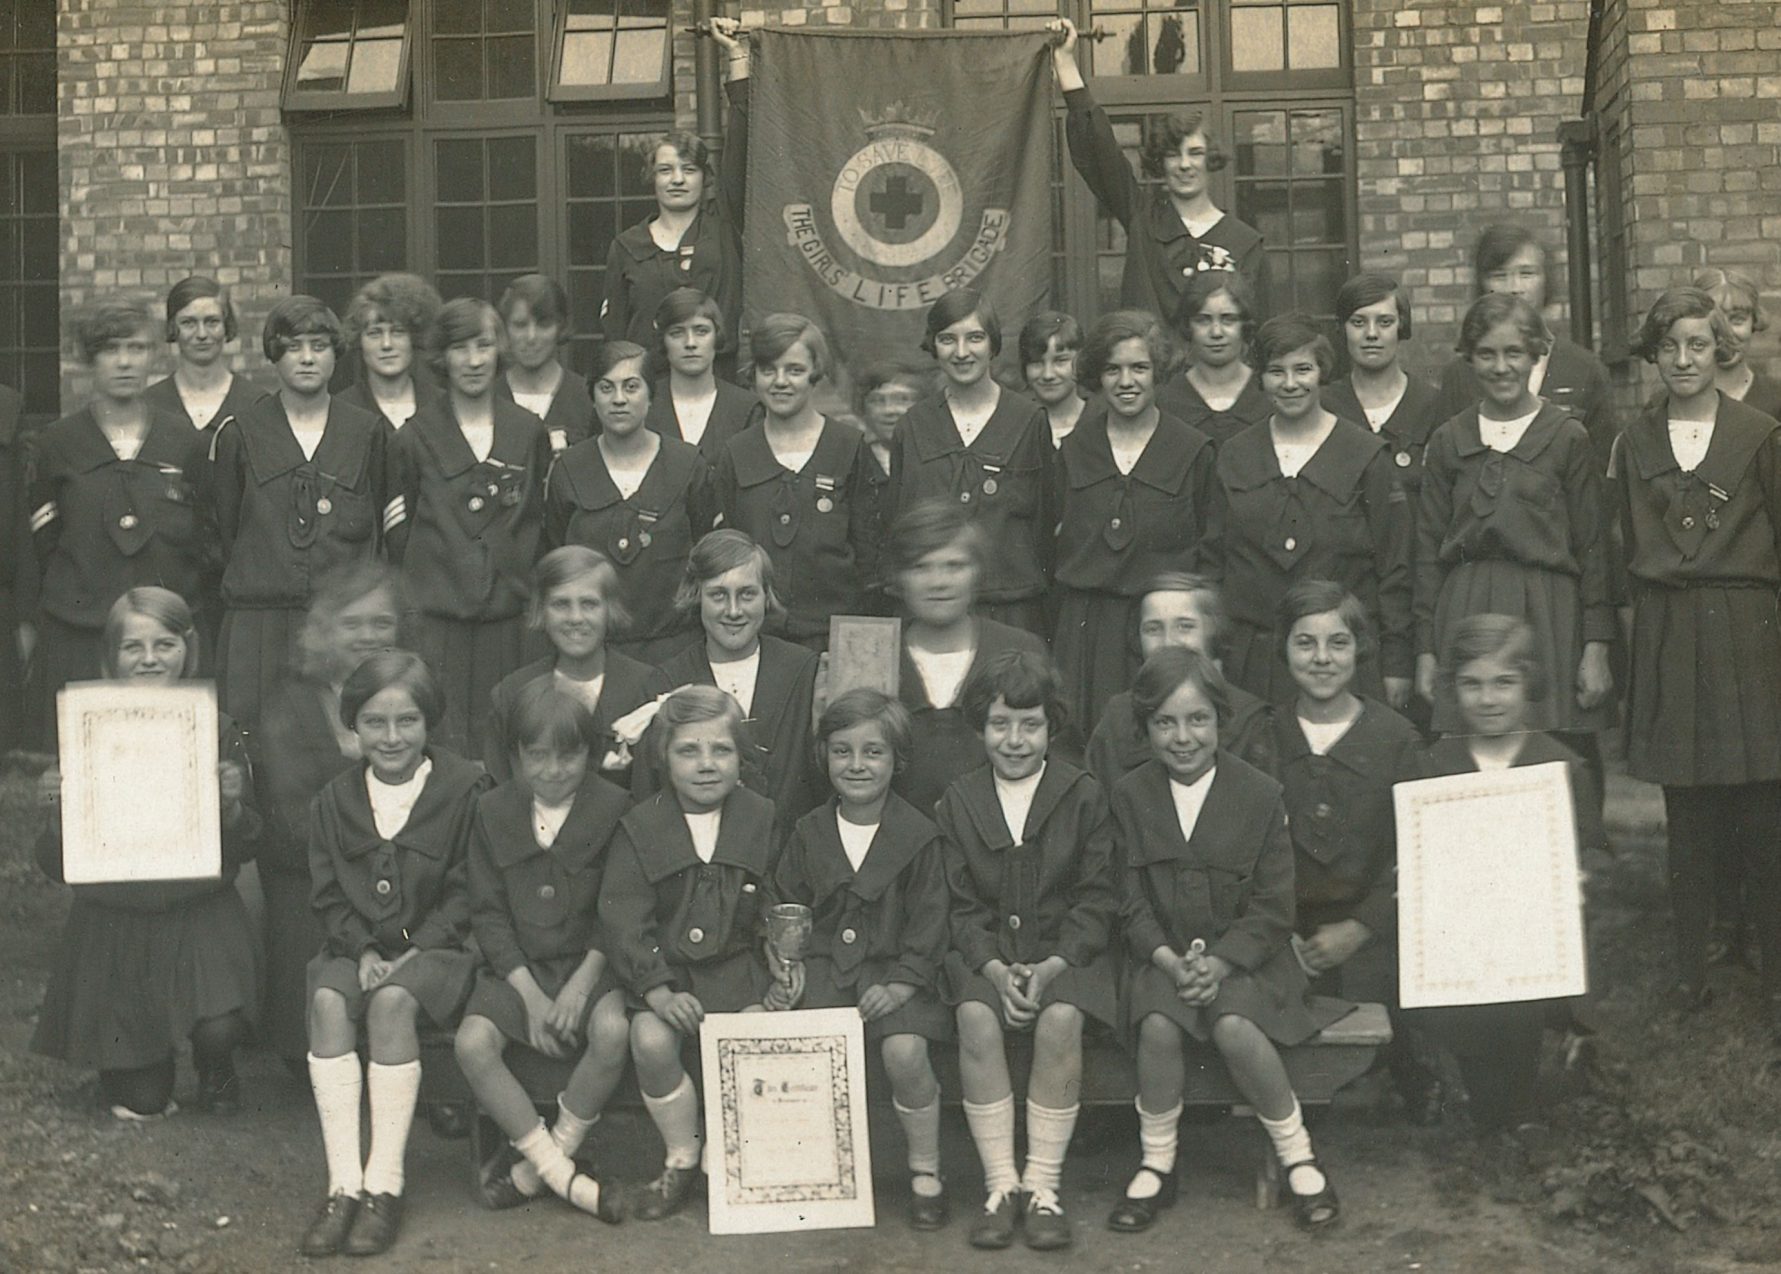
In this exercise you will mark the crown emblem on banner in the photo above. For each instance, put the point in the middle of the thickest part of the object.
(898, 119)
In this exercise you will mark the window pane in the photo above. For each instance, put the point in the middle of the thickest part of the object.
(457, 70)
(37, 183)
(639, 57)
(1126, 53)
(376, 65)
(1175, 43)
(507, 16)
(513, 235)
(37, 83)
(513, 168)
(460, 238)
(37, 246)
(511, 67)
(382, 174)
(328, 242)
(1312, 36)
(327, 176)
(346, 237)
(1317, 142)
(323, 68)
(1261, 142)
(592, 228)
(1256, 41)
(457, 17)
(586, 57)
(459, 177)
(349, 49)
(383, 240)
(37, 24)
(592, 168)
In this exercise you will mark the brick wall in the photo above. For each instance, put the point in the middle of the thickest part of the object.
(173, 156)
(1457, 110)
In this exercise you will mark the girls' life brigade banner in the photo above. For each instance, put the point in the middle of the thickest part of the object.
(886, 170)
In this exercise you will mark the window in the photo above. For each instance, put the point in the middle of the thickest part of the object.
(608, 188)
(1147, 37)
(28, 58)
(30, 340)
(1290, 171)
(485, 211)
(1298, 35)
(1012, 15)
(354, 200)
(348, 55)
(484, 50)
(609, 49)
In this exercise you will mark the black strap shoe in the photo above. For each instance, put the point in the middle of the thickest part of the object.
(667, 1194)
(1133, 1216)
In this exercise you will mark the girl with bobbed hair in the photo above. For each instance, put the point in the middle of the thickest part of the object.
(536, 324)
(1373, 311)
(691, 402)
(386, 323)
(1216, 389)
(201, 325)
(1739, 298)
(1049, 344)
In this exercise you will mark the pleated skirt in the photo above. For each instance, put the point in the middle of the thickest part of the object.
(258, 652)
(1275, 997)
(493, 998)
(469, 656)
(922, 1014)
(1093, 987)
(438, 979)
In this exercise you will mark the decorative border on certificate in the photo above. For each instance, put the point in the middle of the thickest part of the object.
(785, 1115)
(864, 650)
(1490, 907)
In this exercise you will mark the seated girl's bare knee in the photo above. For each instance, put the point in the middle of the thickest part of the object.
(478, 1040)
(979, 1027)
(905, 1054)
(1059, 1024)
(1158, 1033)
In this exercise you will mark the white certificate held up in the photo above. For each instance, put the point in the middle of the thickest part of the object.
(139, 782)
(785, 1121)
(1490, 909)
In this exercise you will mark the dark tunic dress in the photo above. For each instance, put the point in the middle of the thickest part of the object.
(1053, 893)
(242, 393)
(735, 410)
(1119, 745)
(671, 920)
(570, 417)
(1576, 383)
(1177, 397)
(1406, 430)
(139, 965)
(387, 895)
(885, 922)
(1231, 885)
(532, 905)
(427, 395)
(628, 686)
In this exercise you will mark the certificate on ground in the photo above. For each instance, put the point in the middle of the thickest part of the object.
(1490, 909)
(139, 782)
(785, 1121)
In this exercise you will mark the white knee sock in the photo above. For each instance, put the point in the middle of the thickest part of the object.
(1159, 1136)
(921, 1132)
(1293, 1146)
(393, 1093)
(556, 1169)
(338, 1084)
(992, 1128)
(569, 1132)
(1048, 1138)
(677, 1119)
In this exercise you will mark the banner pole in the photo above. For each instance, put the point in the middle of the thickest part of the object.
(707, 81)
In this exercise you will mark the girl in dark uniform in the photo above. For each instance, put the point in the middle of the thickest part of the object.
(872, 870)
(201, 325)
(1374, 313)
(691, 402)
(1208, 915)
(1050, 344)
(688, 881)
(1217, 391)
(1029, 866)
(387, 848)
(641, 499)
(466, 519)
(535, 317)
(1739, 298)
(387, 321)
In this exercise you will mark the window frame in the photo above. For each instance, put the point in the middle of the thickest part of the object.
(296, 100)
(1339, 77)
(659, 89)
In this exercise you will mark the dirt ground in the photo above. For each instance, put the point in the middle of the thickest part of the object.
(1664, 1155)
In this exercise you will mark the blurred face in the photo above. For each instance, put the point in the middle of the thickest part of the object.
(679, 182)
(531, 341)
(149, 653)
(575, 617)
(703, 765)
(1016, 739)
(307, 364)
(621, 397)
(1492, 694)
(1739, 309)
(387, 347)
(1685, 357)
(885, 407)
(200, 331)
(553, 774)
(941, 587)
(1215, 333)
(120, 368)
(1321, 653)
(1372, 335)
(1184, 733)
(1172, 619)
(1053, 377)
(361, 629)
(732, 608)
(1291, 382)
(861, 762)
(1185, 170)
(963, 350)
(691, 346)
(1522, 275)
(1503, 362)
(1129, 379)
(785, 384)
(392, 734)
(470, 363)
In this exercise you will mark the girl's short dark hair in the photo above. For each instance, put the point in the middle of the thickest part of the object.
(927, 526)
(1202, 588)
(687, 146)
(1496, 246)
(718, 553)
(955, 307)
(1499, 307)
(407, 300)
(1110, 331)
(1485, 636)
(1167, 671)
(296, 316)
(197, 287)
(1164, 138)
(337, 590)
(863, 704)
(1371, 288)
(1323, 597)
(1037, 333)
(887, 371)
(690, 705)
(610, 354)
(570, 562)
(166, 607)
(463, 318)
(1020, 679)
(775, 334)
(1674, 306)
(544, 716)
(1201, 288)
(682, 305)
(384, 670)
(545, 300)
(1283, 334)
(113, 319)
(1727, 286)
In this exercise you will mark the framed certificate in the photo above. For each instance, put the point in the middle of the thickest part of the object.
(864, 650)
(139, 782)
(785, 1121)
(1490, 908)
